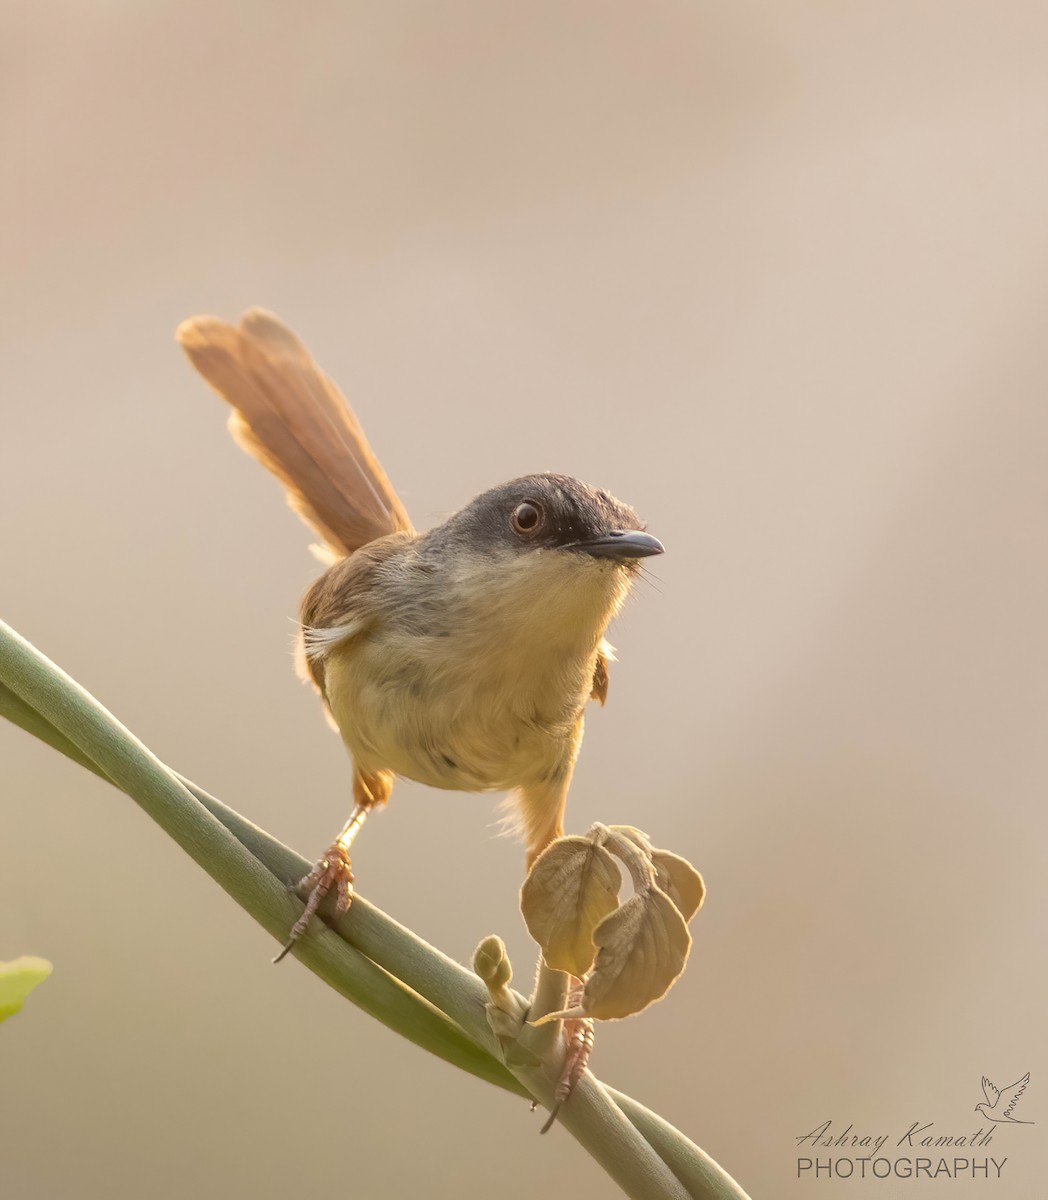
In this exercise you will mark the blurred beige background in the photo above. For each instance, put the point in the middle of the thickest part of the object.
(774, 273)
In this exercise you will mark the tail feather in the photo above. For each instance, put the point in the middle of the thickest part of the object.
(290, 416)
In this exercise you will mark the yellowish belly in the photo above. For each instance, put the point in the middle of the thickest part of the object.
(452, 717)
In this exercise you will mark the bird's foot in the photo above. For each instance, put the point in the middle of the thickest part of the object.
(332, 871)
(578, 1035)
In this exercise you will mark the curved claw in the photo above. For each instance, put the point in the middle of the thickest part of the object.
(332, 871)
(576, 1055)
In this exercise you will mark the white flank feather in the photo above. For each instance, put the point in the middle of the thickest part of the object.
(319, 642)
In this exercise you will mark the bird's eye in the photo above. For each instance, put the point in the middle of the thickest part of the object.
(527, 517)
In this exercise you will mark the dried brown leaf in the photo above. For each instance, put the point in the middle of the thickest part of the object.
(570, 890)
(642, 949)
(680, 881)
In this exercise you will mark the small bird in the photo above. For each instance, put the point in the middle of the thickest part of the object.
(1001, 1102)
(463, 657)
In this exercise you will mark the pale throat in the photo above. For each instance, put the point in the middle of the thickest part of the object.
(551, 604)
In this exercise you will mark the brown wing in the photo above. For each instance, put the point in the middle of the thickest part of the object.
(295, 421)
(339, 604)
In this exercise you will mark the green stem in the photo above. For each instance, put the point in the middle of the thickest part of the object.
(701, 1175)
(373, 961)
(447, 984)
(99, 737)
(550, 995)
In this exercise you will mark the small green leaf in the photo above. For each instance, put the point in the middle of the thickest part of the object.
(643, 947)
(17, 980)
(680, 881)
(572, 887)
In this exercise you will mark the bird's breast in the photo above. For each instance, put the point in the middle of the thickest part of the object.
(466, 708)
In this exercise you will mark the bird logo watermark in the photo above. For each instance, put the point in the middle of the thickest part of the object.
(1000, 1102)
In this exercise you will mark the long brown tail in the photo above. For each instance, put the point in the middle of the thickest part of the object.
(295, 421)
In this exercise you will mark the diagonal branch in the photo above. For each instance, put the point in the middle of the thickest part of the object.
(369, 958)
(96, 735)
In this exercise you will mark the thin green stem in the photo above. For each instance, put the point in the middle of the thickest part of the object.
(120, 757)
(448, 985)
(602, 1127)
(700, 1174)
(368, 957)
(551, 995)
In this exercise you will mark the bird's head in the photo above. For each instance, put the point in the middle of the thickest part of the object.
(557, 549)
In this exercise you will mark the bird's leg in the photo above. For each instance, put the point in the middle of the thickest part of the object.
(578, 1035)
(333, 870)
(540, 808)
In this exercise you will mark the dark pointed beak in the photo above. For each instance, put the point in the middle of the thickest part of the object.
(621, 545)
